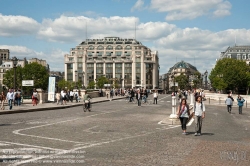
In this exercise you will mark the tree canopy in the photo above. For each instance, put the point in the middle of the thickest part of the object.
(182, 81)
(32, 71)
(230, 74)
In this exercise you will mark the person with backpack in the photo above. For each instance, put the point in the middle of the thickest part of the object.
(183, 114)
(199, 115)
(240, 103)
(229, 103)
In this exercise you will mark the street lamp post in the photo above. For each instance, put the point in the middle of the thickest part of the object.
(83, 74)
(14, 59)
(205, 74)
(173, 79)
(76, 78)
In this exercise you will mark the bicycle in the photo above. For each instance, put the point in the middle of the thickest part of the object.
(145, 100)
(127, 99)
(86, 105)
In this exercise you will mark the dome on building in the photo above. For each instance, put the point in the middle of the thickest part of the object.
(183, 65)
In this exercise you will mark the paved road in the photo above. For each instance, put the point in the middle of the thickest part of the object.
(119, 133)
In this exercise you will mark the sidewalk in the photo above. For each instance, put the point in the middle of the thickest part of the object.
(52, 106)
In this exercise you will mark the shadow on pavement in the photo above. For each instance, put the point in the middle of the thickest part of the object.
(5, 124)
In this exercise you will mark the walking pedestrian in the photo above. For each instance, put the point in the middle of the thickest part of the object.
(10, 97)
(155, 96)
(139, 97)
(64, 97)
(229, 103)
(18, 97)
(240, 103)
(34, 97)
(58, 97)
(183, 114)
(107, 92)
(199, 115)
(71, 93)
(3, 99)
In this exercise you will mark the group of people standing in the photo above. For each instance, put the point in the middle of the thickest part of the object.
(65, 96)
(13, 96)
(229, 102)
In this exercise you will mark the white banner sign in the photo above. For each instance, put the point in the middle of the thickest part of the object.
(105, 85)
(27, 82)
(51, 89)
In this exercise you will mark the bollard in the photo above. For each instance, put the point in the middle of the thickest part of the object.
(246, 103)
(173, 115)
(209, 100)
(219, 100)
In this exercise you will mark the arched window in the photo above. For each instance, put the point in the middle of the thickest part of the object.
(128, 47)
(238, 56)
(91, 48)
(118, 47)
(100, 48)
(109, 47)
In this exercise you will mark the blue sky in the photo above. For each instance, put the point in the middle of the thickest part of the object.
(195, 31)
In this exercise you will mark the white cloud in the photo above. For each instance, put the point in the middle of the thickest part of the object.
(196, 46)
(17, 25)
(138, 5)
(199, 47)
(73, 29)
(190, 9)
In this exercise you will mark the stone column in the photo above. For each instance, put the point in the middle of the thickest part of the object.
(41, 97)
(123, 74)
(95, 73)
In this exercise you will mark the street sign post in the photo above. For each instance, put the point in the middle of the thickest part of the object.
(27, 82)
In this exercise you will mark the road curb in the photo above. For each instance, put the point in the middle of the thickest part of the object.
(35, 109)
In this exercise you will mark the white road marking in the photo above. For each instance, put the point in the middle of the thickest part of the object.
(34, 146)
(88, 146)
(2, 144)
(190, 122)
(56, 139)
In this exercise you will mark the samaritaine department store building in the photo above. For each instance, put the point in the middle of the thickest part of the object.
(124, 60)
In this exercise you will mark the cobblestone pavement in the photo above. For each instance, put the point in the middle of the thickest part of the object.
(119, 133)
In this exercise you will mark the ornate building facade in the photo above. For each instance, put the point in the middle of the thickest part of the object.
(125, 60)
(237, 52)
(178, 69)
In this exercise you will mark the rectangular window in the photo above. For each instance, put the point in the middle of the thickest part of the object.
(118, 53)
(137, 52)
(89, 53)
(244, 56)
(79, 59)
(238, 56)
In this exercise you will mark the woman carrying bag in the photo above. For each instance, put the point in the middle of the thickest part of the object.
(183, 114)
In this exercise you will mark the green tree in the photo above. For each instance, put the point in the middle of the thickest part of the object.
(101, 81)
(38, 73)
(91, 85)
(182, 81)
(8, 79)
(230, 74)
(32, 71)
